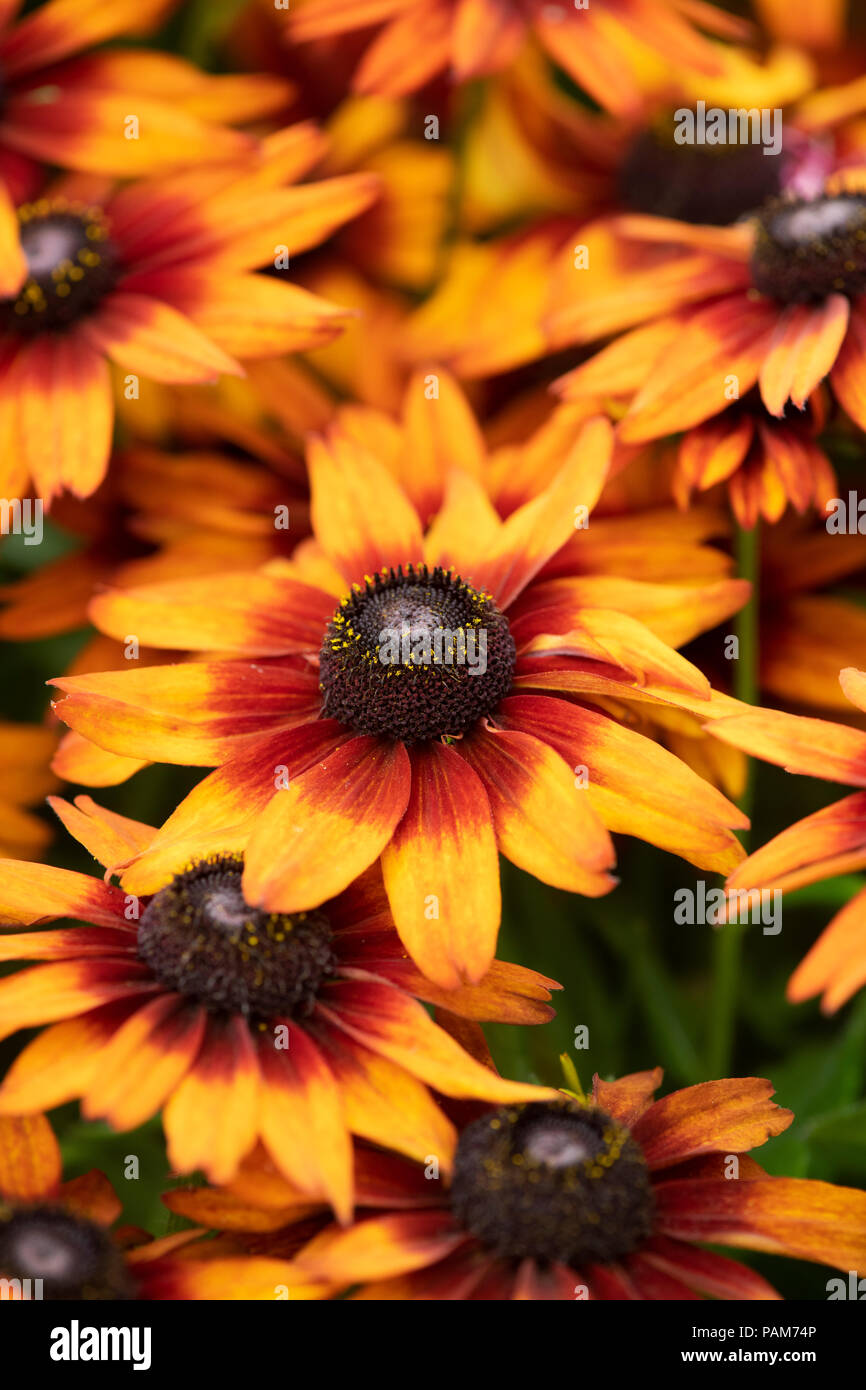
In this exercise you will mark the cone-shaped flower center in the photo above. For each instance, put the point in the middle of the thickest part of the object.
(415, 655)
(807, 249)
(72, 265)
(73, 1258)
(695, 181)
(200, 937)
(555, 1181)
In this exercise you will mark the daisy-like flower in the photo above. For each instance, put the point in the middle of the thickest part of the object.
(55, 1237)
(64, 107)
(573, 173)
(59, 1241)
(610, 1198)
(776, 303)
(157, 277)
(823, 845)
(296, 1029)
(599, 46)
(418, 693)
(765, 463)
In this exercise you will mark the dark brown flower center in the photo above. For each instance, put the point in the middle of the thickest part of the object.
(712, 184)
(553, 1182)
(415, 655)
(199, 936)
(72, 265)
(55, 1255)
(806, 249)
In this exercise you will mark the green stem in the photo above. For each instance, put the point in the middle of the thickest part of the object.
(728, 939)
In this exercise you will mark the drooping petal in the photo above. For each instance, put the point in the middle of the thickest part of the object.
(302, 1119)
(65, 413)
(785, 1216)
(385, 1103)
(398, 1027)
(146, 1058)
(633, 784)
(544, 821)
(211, 1119)
(441, 869)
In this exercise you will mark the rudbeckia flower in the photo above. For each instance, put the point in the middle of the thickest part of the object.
(157, 277)
(611, 1198)
(297, 1029)
(765, 463)
(599, 46)
(55, 1236)
(776, 303)
(66, 106)
(341, 716)
(59, 1241)
(573, 173)
(823, 845)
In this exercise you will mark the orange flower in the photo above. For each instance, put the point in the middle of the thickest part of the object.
(595, 45)
(297, 1029)
(609, 1199)
(322, 729)
(59, 1240)
(778, 303)
(60, 108)
(159, 278)
(823, 845)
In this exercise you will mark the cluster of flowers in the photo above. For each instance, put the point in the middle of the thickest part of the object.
(424, 316)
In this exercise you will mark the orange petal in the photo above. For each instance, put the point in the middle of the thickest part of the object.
(355, 798)
(836, 963)
(36, 892)
(146, 1059)
(30, 1163)
(398, 1027)
(362, 518)
(382, 1246)
(144, 336)
(387, 1104)
(544, 822)
(302, 1119)
(730, 1116)
(66, 413)
(12, 258)
(812, 747)
(633, 784)
(264, 613)
(211, 1118)
(441, 869)
(535, 532)
(784, 1216)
